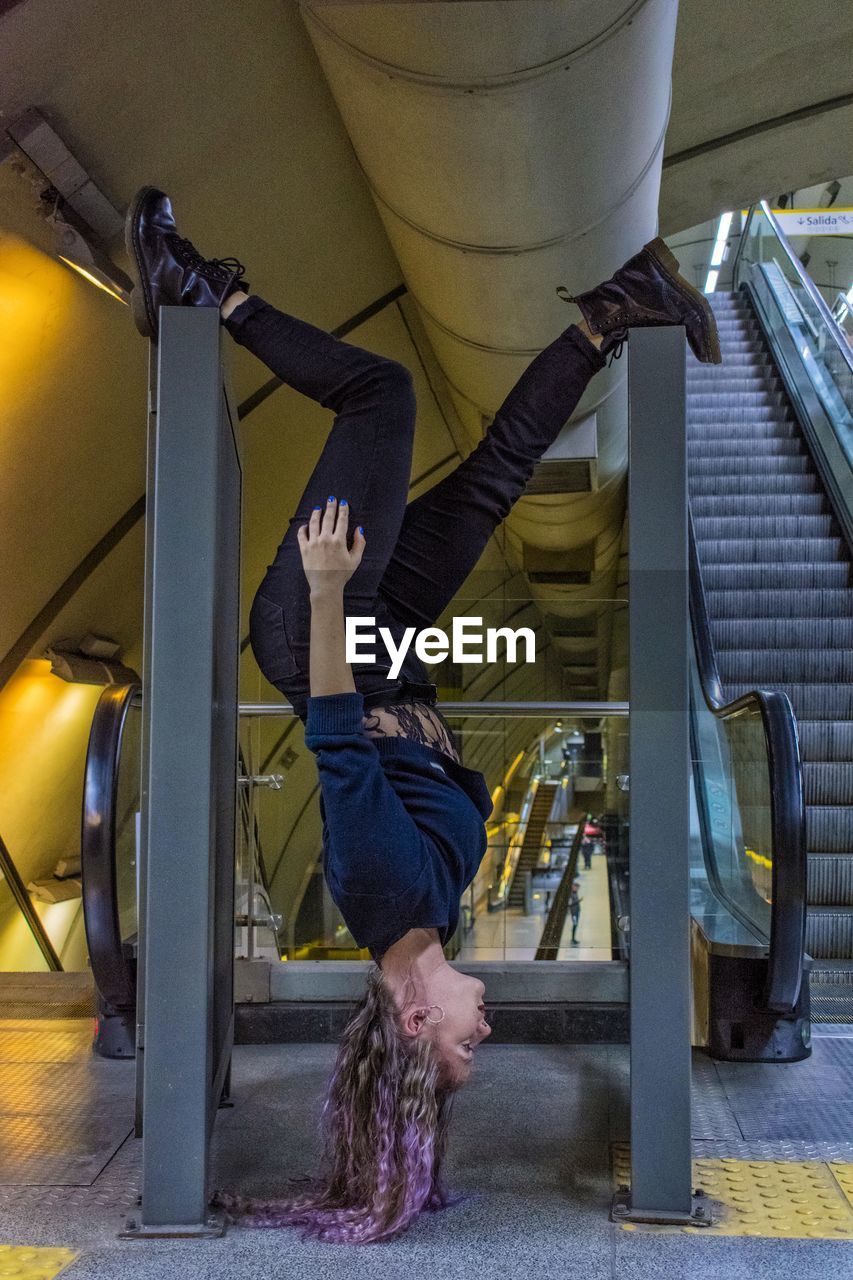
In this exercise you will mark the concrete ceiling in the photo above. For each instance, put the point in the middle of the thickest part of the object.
(226, 107)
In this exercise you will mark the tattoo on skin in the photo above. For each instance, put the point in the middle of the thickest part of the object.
(417, 721)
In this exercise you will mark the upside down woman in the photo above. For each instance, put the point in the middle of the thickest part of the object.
(403, 820)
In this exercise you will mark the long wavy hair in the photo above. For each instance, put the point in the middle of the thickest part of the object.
(385, 1121)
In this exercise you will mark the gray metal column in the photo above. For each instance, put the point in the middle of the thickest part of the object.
(189, 770)
(659, 787)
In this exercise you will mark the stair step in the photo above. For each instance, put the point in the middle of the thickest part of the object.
(753, 485)
(771, 551)
(722, 448)
(735, 465)
(735, 399)
(826, 740)
(722, 431)
(830, 879)
(829, 828)
(810, 700)
(749, 505)
(829, 932)
(782, 633)
(717, 527)
(742, 364)
(779, 666)
(723, 576)
(828, 782)
(767, 602)
(738, 414)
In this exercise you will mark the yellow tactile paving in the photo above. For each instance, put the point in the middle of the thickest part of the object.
(25, 1263)
(843, 1174)
(811, 1200)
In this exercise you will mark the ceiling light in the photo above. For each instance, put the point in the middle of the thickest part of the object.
(711, 282)
(721, 241)
(89, 261)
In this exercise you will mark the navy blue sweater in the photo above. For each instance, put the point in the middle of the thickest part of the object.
(403, 826)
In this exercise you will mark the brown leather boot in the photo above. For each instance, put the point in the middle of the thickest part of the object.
(648, 290)
(170, 272)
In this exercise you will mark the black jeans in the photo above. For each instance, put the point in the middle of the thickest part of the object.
(417, 554)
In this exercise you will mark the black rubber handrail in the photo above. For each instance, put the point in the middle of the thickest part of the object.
(787, 805)
(18, 890)
(113, 969)
(549, 943)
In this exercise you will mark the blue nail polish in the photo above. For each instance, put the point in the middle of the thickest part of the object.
(331, 498)
(343, 502)
(360, 529)
(318, 508)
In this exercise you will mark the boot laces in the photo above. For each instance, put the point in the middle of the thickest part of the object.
(220, 268)
(619, 338)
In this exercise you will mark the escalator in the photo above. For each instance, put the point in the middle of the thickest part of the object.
(531, 846)
(769, 464)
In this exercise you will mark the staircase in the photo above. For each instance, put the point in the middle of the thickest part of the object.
(779, 585)
(532, 842)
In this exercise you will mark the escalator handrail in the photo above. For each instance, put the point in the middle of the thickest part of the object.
(803, 276)
(787, 806)
(112, 969)
(549, 943)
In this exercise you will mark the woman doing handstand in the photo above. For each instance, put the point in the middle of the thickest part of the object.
(404, 821)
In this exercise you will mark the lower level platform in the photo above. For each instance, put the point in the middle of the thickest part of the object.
(773, 1143)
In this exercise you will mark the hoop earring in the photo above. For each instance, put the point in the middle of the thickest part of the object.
(435, 1021)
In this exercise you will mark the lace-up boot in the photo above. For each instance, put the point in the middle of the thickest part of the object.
(648, 290)
(170, 271)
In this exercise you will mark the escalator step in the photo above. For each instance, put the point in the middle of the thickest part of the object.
(829, 828)
(771, 551)
(829, 933)
(770, 603)
(741, 415)
(736, 344)
(725, 575)
(746, 506)
(764, 666)
(722, 398)
(746, 363)
(804, 633)
(745, 446)
(713, 528)
(753, 485)
(830, 879)
(811, 701)
(758, 430)
(781, 464)
(826, 740)
(827, 782)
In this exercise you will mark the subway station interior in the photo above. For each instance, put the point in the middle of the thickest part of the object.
(663, 918)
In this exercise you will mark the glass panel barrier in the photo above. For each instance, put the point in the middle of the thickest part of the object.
(732, 853)
(127, 821)
(547, 771)
(767, 263)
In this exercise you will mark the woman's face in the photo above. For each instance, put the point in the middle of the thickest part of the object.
(463, 1026)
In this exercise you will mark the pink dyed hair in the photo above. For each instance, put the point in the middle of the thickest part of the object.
(385, 1120)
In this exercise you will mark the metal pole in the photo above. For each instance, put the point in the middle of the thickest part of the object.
(189, 771)
(659, 784)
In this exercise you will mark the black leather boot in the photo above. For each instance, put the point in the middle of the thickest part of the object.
(648, 290)
(170, 271)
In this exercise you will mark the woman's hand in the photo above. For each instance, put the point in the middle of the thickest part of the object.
(327, 560)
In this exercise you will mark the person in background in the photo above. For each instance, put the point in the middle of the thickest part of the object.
(575, 908)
